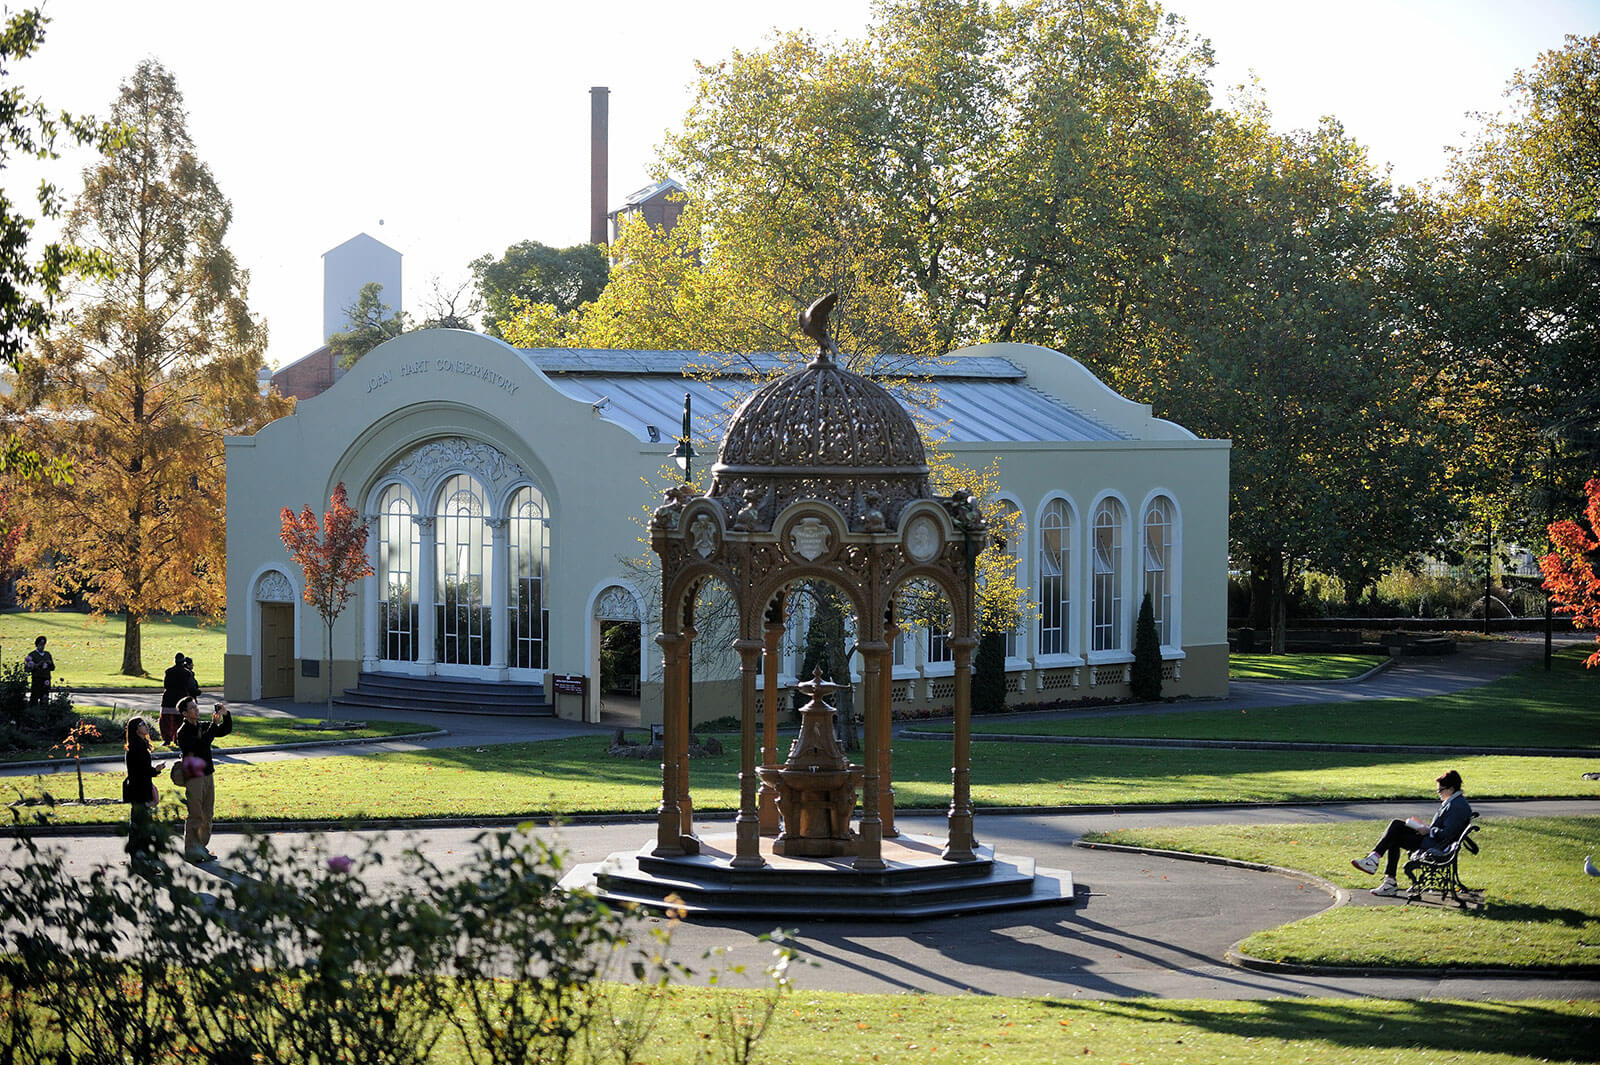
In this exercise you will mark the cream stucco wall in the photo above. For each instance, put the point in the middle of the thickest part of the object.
(599, 480)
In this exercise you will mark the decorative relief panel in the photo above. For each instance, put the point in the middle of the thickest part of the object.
(615, 604)
(487, 462)
(274, 587)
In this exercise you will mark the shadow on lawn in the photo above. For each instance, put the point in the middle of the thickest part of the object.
(1521, 1029)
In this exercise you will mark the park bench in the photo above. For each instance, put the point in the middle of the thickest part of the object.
(1434, 869)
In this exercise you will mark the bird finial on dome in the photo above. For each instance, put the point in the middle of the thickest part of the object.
(814, 324)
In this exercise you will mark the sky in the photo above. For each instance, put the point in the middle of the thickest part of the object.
(452, 130)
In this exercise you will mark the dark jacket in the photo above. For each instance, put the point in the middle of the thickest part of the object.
(196, 739)
(141, 774)
(177, 682)
(1452, 819)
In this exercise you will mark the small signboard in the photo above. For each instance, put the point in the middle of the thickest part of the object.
(569, 683)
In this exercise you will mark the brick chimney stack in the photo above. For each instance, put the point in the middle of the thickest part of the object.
(599, 136)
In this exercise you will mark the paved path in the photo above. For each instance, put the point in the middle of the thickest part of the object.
(1139, 925)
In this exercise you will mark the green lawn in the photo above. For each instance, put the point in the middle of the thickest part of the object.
(88, 650)
(1299, 666)
(824, 1026)
(1540, 909)
(1530, 708)
(575, 775)
(247, 732)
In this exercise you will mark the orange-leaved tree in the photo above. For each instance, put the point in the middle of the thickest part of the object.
(332, 558)
(1569, 568)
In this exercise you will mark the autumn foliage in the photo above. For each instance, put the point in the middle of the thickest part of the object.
(332, 557)
(1569, 569)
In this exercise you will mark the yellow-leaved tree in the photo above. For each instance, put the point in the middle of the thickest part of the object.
(154, 366)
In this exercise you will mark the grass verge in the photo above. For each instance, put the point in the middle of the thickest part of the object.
(1299, 667)
(837, 1027)
(88, 650)
(1530, 708)
(576, 776)
(1540, 911)
(247, 732)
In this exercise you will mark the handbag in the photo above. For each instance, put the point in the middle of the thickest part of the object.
(177, 773)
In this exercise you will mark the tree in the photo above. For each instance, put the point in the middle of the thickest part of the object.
(30, 285)
(370, 325)
(1572, 568)
(332, 560)
(1520, 238)
(1144, 676)
(448, 307)
(138, 389)
(530, 272)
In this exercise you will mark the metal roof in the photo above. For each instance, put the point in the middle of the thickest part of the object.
(980, 399)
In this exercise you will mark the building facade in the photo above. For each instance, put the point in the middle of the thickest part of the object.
(507, 493)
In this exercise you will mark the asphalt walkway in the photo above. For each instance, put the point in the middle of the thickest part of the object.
(1140, 925)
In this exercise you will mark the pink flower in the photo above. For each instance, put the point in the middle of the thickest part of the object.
(193, 766)
(339, 864)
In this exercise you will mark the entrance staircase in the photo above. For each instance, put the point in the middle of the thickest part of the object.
(445, 695)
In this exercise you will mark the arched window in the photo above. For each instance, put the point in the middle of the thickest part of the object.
(1055, 578)
(462, 629)
(398, 566)
(528, 540)
(1105, 595)
(1158, 563)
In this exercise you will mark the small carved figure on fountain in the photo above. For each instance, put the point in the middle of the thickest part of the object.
(749, 518)
(666, 515)
(872, 519)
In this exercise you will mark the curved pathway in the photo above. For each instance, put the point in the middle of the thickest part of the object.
(1139, 925)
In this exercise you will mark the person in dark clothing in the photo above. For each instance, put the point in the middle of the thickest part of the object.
(139, 788)
(176, 683)
(194, 740)
(39, 665)
(1411, 834)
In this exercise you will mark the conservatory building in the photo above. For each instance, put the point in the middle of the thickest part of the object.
(507, 494)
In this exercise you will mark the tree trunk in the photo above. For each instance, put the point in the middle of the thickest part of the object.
(132, 656)
(1279, 599)
(327, 716)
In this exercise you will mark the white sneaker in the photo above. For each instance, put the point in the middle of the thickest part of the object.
(1368, 865)
(1388, 889)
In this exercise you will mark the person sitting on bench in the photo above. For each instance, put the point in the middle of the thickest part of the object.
(1411, 834)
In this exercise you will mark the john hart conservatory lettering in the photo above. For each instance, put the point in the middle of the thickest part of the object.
(457, 366)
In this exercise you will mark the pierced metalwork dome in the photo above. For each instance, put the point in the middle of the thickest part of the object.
(822, 433)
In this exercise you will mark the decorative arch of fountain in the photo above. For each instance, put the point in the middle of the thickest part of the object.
(821, 475)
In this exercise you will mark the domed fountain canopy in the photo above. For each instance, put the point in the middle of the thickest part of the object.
(825, 433)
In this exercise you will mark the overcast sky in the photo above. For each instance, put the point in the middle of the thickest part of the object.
(450, 130)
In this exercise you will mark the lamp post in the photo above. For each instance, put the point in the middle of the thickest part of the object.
(683, 455)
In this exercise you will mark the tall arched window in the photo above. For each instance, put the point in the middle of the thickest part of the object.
(1055, 578)
(398, 564)
(528, 540)
(1158, 563)
(462, 628)
(1105, 595)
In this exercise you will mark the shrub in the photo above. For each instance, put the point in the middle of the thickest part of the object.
(989, 675)
(1145, 676)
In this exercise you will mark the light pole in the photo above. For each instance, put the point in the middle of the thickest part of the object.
(683, 455)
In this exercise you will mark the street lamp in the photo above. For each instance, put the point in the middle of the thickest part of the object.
(683, 454)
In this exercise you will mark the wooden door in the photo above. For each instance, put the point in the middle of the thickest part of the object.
(277, 650)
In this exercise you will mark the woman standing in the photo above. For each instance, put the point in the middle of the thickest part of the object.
(139, 786)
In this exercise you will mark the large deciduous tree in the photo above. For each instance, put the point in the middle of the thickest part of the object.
(332, 559)
(156, 364)
(1520, 242)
